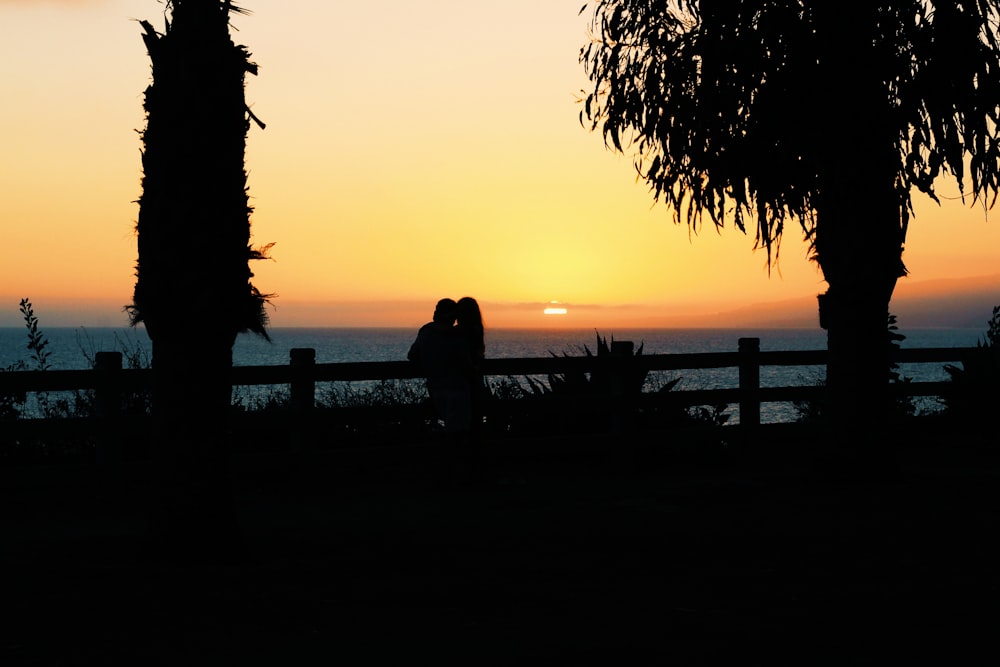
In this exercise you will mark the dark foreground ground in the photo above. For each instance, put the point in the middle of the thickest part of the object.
(601, 561)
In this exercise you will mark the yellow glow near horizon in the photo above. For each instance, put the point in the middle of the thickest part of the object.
(412, 151)
(554, 310)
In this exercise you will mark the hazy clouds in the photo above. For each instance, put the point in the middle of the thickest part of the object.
(53, 3)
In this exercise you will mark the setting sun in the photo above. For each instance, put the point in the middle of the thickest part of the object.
(554, 309)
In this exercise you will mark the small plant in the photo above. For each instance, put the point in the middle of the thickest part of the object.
(371, 412)
(272, 399)
(712, 415)
(37, 343)
(134, 357)
(38, 347)
(902, 405)
(382, 393)
(506, 388)
(11, 405)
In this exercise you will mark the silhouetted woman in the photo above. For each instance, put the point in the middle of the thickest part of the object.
(469, 323)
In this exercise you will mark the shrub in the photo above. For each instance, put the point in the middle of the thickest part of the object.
(975, 386)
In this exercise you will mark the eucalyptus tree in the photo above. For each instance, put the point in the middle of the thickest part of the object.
(826, 116)
(193, 291)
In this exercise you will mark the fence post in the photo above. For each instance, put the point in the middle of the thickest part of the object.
(621, 370)
(303, 393)
(749, 351)
(108, 405)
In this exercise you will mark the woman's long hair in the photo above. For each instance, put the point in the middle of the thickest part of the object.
(470, 321)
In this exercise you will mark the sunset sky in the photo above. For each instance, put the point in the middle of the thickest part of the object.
(413, 150)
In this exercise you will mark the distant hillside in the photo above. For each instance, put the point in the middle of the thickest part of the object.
(962, 303)
(966, 302)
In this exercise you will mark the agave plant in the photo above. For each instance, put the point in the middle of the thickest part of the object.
(628, 382)
(597, 382)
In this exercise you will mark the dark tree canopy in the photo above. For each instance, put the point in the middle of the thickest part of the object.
(761, 109)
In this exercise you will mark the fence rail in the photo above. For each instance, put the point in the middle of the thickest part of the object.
(301, 375)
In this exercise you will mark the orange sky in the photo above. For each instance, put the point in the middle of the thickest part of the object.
(412, 151)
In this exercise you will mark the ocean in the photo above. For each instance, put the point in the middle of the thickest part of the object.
(73, 348)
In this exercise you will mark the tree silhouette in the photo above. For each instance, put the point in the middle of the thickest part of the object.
(823, 114)
(193, 290)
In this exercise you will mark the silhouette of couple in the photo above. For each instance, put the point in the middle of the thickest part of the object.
(450, 350)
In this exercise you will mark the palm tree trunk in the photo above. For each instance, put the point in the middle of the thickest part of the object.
(193, 290)
(193, 514)
(860, 230)
(861, 258)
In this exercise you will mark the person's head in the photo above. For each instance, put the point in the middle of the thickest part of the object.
(468, 313)
(445, 311)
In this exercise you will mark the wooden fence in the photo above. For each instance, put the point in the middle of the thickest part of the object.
(109, 381)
